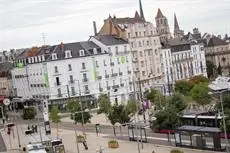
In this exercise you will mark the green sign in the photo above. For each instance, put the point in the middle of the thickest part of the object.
(122, 60)
(20, 65)
(45, 75)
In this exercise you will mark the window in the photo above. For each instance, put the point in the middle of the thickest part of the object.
(107, 83)
(68, 54)
(83, 65)
(104, 62)
(132, 44)
(86, 87)
(143, 73)
(109, 50)
(84, 76)
(147, 43)
(139, 43)
(97, 65)
(127, 59)
(142, 63)
(151, 33)
(154, 41)
(54, 56)
(112, 71)
(136, 34)
(128, 35)
(118, 61)
(82, 53)
(141, 54)
(125, 48)
(43, 58)
(58, 81)
(39, 59)
(105, 72)
(144, 33)
(116, 49)
(73, 91)
(149, 52)
(32, 59)
(71, 79)
(113, 82)
(56, 69)
(59, 92)
(69, 67)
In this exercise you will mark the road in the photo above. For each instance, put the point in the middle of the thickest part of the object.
(2, 144)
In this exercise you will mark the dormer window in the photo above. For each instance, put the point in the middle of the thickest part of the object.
(39, 59)
(54, 56)
(35, 59)
(29, 60)
(32, 59)
(43, 57)
(94, 50)
(68, 54)
(82, 53)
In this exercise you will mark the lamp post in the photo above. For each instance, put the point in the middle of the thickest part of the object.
(82, 116)
(224, 122)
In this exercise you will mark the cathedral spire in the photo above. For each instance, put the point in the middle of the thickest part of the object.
(141, 11)
(176, 25)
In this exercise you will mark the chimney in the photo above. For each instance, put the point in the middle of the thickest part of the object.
(95, 28)
(62, 46)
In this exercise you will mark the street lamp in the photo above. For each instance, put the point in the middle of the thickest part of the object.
(222, 109)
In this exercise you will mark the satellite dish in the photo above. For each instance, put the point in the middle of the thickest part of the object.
(6, 102)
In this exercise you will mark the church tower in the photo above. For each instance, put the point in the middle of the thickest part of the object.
(177, 32)
(162, 27)
(141, 12)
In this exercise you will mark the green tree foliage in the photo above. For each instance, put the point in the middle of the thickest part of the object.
(200, 94)
(4, 110)
(210, 69)
(118, 114)
(104, 104)
(29, 113)
(74, 106)
(198, 79)
(183, 87)
(54, 116)
(131, 107)
(177, 101)
(156, 98)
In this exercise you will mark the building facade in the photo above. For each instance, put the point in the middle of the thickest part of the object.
(182, 60)
(217, 51)
(83, 70)
(145, 46)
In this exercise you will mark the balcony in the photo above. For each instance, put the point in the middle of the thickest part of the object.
(112, 64)
(99, 77)
(87, 91)
(108, 87)
(120, 73)
(114, 75)
(85, 80)
(57, 83)
(59, 95)
(115, 86)
(100, 89)
(122, 84)
(106, 76)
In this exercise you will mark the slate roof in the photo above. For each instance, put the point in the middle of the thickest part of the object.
(215, 41)
(159, 14)
(5, 66)
(178, 41)
(110, 40)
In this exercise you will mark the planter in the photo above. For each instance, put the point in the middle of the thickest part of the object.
(80, 139)
(113, 144)
(176, 151)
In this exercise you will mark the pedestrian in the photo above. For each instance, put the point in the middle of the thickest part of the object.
(33, 130)
(28, 127)
(36, 128)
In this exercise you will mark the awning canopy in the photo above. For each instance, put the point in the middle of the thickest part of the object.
(198, 129)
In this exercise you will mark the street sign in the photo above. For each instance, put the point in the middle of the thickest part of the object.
(6, 102)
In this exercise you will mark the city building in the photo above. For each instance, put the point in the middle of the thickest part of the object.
(5, 79)
(162, 27)
(145, 46)
(83, 70)
(217, 51)
(182, 59)
(6, 56)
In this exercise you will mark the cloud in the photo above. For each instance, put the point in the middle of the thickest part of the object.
(23, 21)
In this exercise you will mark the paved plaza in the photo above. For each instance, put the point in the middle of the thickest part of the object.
(94, 142)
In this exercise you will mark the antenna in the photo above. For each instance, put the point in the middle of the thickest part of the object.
(44, 38)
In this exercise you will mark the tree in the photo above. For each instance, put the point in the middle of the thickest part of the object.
(210, 69)
(104, 104)
(54, 116)
(197, 79)
(156, 98)
(131, 107)
(200, 94)
(77, 113)
(183, 87)
(177, 101)
(118, 114)
(29, 113)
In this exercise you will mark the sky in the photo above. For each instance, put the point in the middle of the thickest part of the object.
(27, 23)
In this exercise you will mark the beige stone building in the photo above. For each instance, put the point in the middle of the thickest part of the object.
(217, 51)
